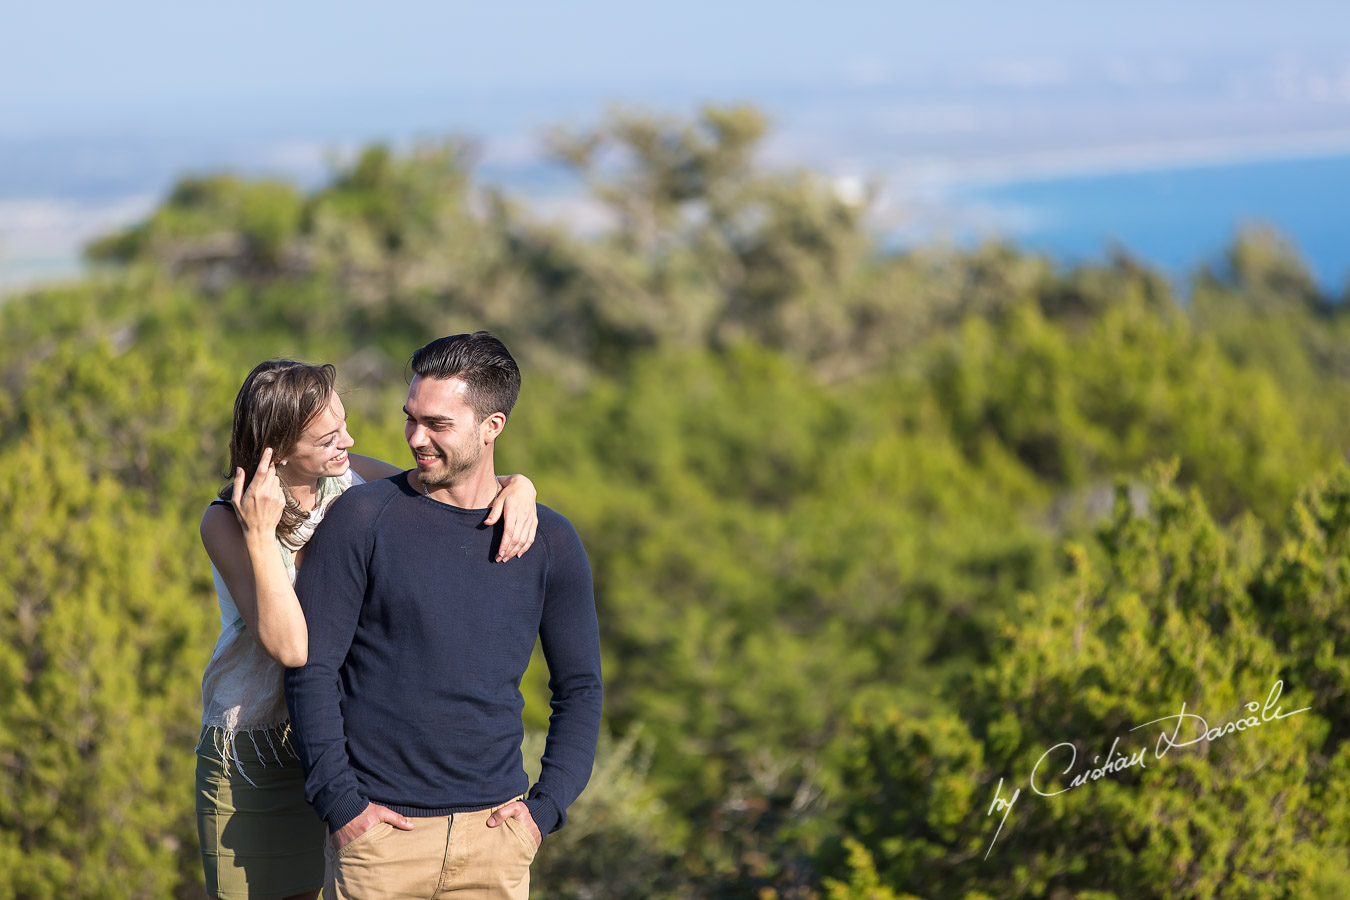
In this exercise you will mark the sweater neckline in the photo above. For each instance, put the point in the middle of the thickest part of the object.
(406, 486)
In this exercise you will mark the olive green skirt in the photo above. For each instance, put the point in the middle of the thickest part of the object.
(260, 839)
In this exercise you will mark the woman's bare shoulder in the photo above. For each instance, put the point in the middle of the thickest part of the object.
(219, 524)
(371, 469)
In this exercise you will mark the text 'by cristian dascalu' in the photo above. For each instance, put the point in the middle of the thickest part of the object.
(1067, 753)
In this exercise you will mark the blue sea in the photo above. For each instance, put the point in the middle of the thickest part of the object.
(1178, 219)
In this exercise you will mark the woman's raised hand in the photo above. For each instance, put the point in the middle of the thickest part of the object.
(259, 508)
(515, 506)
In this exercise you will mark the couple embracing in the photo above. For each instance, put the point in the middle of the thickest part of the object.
(393, 638)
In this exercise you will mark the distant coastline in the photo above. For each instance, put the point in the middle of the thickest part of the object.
(1132, 158)
(1173, 204)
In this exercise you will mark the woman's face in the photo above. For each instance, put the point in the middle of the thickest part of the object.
(322, 449)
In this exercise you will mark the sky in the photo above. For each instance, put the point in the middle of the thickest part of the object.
(64, 62)
(103, 105)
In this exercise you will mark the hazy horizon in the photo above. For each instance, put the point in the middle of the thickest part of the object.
(928, 104)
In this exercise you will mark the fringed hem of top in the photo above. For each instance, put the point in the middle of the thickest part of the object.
(226, 740)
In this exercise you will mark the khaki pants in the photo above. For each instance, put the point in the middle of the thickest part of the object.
(456, 856)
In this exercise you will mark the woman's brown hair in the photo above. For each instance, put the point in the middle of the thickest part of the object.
(279, 399)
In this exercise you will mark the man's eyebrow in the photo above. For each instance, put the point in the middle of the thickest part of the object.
(428, 418)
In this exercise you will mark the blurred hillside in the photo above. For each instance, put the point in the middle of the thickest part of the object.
(871, 530)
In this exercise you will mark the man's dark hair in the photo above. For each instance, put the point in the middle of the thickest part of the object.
(479, 360)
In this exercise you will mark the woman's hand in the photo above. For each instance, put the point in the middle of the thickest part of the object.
(243, 548)
(515, 506)
(260, 507)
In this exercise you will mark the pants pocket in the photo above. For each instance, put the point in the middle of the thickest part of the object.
(516, 827)
(363, 838)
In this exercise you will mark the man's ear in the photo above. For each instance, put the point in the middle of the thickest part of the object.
(492, 426)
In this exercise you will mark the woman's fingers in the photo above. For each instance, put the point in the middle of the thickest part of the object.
(515, 542)
(507, 547)
(238, 494)
(264, 464)
(266, 485)
(261, 505)
(495, 513)
(514, 507)
(511, 544)
(519, 517)
(527, 540)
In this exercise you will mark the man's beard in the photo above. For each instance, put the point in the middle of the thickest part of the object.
(452, 469)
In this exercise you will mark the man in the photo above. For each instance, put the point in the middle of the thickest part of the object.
(407, 714)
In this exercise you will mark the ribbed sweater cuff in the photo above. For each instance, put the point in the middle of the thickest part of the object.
(346, 808)
(544, 813)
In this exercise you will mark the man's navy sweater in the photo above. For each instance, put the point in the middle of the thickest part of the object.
(417, 644)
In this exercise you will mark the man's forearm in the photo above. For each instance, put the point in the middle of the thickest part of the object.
(316, 719)
(569, 752)
(331, 589)
(569, 634)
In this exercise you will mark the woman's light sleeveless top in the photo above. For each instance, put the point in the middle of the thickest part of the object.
(242, 688)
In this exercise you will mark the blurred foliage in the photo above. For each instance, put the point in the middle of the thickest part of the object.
(826, 489)
(620, 839)
(1167, 617)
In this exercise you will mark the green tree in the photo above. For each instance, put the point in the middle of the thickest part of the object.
(1166, 617)
(101, 633)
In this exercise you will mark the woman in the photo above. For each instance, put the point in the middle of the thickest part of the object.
(259, 837)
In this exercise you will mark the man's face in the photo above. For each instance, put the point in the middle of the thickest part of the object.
(442, 430)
